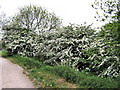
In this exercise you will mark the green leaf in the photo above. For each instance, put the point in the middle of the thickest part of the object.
(103, 19)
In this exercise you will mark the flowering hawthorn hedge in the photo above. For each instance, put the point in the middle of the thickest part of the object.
(19, 42)
(74, 45)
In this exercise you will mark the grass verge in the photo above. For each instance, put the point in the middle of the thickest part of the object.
(3, 53)
(44, 76)
(38, 73)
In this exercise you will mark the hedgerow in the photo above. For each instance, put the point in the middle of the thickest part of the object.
(77, 46)
(19, 42)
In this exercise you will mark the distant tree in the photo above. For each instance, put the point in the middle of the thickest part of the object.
(2, 19)
(111, 13)
(35, 18)
(110, 32)
(110, 8)
(2, 23)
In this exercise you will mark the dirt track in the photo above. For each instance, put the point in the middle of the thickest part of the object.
(11, 76)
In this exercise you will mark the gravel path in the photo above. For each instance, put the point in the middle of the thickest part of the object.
(11, 76)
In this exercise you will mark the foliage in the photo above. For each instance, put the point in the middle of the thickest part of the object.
(77, 46)
(104, 59)
(65, 45)
(2, 20)
(4, 53)
(110, 28)
(110, 9)
(74, 45)
(19, 42)
(2, 23)
(110, 13)
(87, 54)
(108, 37)
(34, 18)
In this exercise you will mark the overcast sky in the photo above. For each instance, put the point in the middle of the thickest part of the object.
(71, 11)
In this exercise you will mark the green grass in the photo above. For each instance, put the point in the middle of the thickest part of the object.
(38, 73)
(44, 76)
(4, 53)
(82, 79)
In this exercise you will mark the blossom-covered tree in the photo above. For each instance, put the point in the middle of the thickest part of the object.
(34, 18)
